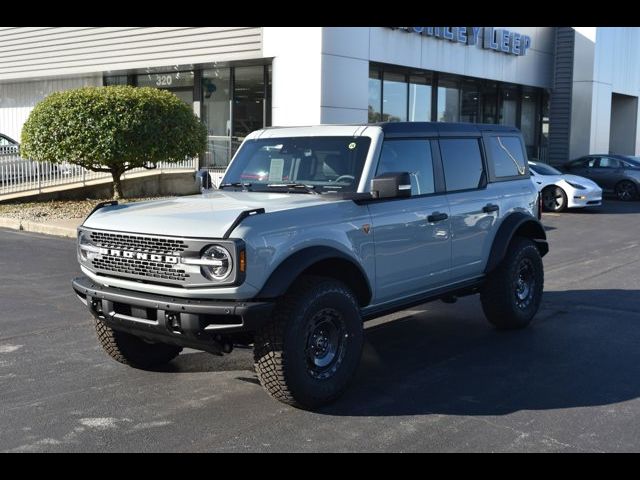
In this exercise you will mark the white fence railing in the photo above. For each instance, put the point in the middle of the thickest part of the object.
(19, 175)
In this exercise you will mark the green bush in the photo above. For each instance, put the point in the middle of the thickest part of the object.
(112, 129)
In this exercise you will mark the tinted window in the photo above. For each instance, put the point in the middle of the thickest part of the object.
(462, 163)
(328, 163)
(543, 169)
(413, 156)
(507, 155)
(606, 162)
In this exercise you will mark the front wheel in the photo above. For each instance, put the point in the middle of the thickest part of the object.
(133, 351)
(309, 351)
(513, 292)
(554, 199)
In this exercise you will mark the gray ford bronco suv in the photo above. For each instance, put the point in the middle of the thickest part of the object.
(313, 231)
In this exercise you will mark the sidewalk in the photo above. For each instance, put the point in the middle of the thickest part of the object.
(59, 227)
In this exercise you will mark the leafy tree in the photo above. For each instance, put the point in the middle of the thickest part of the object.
(112, 129)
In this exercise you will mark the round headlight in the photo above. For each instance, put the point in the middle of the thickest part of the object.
(85, 246)
(218, 264)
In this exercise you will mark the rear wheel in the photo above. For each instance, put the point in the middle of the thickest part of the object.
(554, 199)
(133, 351)
(513, 292)
(309, 351)
(626, 190)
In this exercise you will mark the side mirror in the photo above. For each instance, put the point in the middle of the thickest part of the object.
(391, 185)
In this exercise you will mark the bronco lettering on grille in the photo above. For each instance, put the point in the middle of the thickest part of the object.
(112, 252)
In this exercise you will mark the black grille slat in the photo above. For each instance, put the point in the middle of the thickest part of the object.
(142, 244)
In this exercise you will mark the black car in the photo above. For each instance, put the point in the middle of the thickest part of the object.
(613, 173)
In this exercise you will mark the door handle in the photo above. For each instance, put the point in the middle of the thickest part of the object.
(490, 207)
(437, 217)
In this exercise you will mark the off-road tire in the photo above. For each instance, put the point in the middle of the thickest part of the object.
(133, 351)
(499, 296)
(281, 350)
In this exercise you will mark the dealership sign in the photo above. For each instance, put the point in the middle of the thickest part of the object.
(491, 38)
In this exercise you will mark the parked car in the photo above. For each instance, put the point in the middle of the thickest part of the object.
(313, 231)
(613, 173)
(561, 190)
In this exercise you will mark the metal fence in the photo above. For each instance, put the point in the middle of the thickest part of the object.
(220, 151)
(19, 175)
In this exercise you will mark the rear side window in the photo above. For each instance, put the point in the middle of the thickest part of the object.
(413, 156)
(507, 155)
(462, 163)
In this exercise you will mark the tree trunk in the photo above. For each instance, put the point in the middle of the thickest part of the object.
(117, 185)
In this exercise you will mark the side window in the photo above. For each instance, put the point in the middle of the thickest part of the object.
(607, 162)
(462, 162)
(413, 156)
(590, 163)
(507, 155)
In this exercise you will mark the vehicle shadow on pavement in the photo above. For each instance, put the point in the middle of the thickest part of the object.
(580, 350)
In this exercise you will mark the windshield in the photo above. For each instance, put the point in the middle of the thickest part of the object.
(634, 161)
(544, 169)
(324, 163)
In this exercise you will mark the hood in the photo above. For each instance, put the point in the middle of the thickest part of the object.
(206, 216)
(581, 180)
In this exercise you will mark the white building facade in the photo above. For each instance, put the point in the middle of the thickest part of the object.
(570, 95)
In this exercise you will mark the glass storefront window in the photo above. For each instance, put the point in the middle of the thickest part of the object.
(111, 80)
(489, 92)
(216, 101)
(165, 80)
(508, 105)
(394, 99)
(375, 96)
(448, 100)
(470, 102)
(419, 98)
(528, 119)
(248, 100)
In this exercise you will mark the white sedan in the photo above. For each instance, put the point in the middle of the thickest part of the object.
(560, 191)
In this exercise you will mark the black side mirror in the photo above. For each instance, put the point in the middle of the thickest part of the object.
(391, 185)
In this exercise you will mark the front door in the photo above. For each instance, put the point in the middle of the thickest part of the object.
(412, 235)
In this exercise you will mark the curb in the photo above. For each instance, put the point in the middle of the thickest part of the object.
(29, 226)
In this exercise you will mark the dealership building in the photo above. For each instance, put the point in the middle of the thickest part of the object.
(570, 93)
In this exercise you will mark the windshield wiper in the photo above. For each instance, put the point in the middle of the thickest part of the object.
(294, 187)
(244, 186)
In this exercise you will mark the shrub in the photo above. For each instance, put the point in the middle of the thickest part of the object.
(112, 129)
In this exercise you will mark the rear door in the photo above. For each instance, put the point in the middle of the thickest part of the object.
(412, 235)
(474, 209)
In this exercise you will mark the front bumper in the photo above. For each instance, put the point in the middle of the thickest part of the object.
(186, 322)
(585, 198)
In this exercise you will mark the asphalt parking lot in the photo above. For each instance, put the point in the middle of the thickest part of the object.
(437, 378)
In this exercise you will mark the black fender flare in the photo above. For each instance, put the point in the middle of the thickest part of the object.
(286, 273)
(516, 223)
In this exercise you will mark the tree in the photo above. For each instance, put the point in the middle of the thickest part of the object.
(112, 129)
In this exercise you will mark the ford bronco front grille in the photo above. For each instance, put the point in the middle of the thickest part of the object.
(123, 256)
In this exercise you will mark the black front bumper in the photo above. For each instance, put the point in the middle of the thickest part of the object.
(186, 322)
